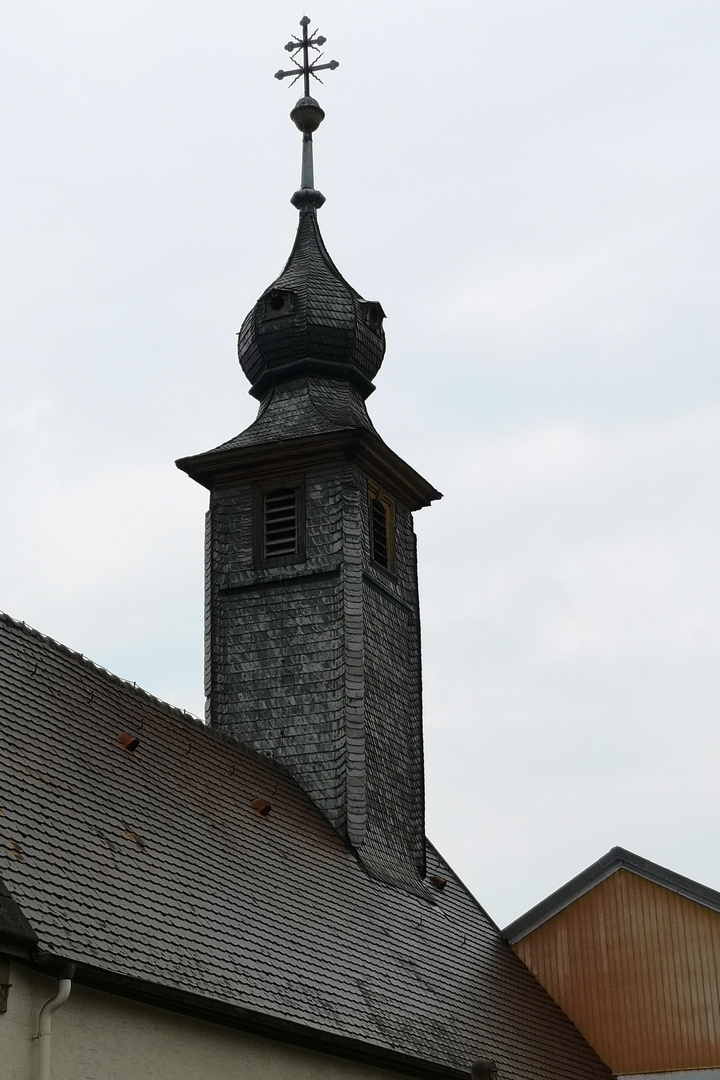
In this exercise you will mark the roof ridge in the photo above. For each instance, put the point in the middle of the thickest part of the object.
(460, 882)
(32, 631)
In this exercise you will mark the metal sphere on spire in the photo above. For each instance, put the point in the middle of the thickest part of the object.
(307, 115)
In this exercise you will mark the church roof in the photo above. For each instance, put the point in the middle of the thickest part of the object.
(304, 407)
(310, 321)
(195, 874)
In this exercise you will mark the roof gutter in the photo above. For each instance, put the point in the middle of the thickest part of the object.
(268, 1026)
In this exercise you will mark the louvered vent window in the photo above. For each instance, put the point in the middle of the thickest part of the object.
(280, 524)
(379, 523)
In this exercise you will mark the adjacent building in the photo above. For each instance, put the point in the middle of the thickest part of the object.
(631, 952)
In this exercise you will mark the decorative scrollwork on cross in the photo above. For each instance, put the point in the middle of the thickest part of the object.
(309, 66)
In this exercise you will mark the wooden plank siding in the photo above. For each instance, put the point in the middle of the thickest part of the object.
(637, 969)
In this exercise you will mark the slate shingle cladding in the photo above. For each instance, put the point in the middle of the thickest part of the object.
(304, 661)
(153, 872)
(310, 321)
(317, 662)
(303, 407)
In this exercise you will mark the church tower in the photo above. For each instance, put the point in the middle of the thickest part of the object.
(312, 633)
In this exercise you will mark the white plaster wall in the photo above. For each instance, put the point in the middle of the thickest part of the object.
(98, 1036)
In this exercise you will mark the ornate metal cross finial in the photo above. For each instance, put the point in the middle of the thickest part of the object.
(307, 114)
(308, 67)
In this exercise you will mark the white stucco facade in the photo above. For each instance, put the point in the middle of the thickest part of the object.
(99, 1036)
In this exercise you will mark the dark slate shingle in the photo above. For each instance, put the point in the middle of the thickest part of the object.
(155, 865)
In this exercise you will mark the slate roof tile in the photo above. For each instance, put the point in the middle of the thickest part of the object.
(155, 865)
(321, 324)
(304, 407)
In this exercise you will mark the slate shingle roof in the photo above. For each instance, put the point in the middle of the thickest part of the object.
(301, 408)
(311, 321)
(155, 866)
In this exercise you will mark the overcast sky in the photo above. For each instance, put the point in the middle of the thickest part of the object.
(530, 188)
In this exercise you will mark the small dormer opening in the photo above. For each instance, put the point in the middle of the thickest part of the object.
(276, 304)
(280, 522)
(372, 313)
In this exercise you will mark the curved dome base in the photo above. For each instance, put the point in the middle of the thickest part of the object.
(308, 366)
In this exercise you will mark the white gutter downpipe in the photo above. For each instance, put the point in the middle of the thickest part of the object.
(45, 1021)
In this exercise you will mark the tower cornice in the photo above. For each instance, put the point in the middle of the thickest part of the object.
(225, 467)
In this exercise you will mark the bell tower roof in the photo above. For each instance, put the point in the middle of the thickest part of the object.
(310, 321)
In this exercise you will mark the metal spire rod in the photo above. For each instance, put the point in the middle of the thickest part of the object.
(307, 114)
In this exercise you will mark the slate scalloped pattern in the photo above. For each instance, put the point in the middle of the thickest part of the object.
(303, 407)
(155, 865)
(317, 665)
(327, 323)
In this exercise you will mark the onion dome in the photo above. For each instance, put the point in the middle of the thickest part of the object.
(311, 322)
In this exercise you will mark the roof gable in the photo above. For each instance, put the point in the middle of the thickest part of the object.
(616, 859)
(635, 964)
